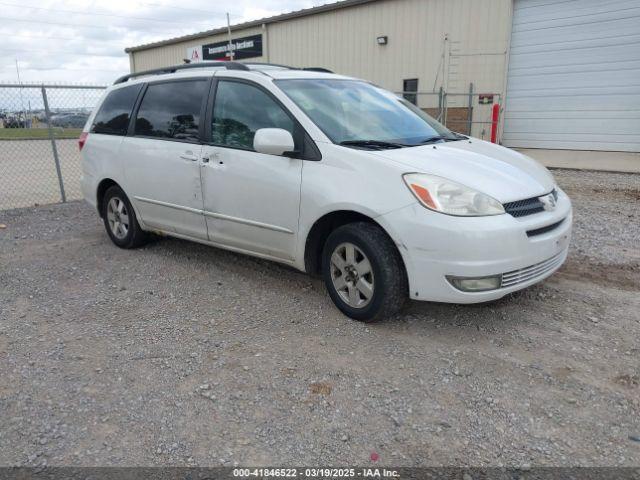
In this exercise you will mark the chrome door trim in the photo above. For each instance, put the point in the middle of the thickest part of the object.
(285, 260)
(169, 205)
(219, 216)
(252, 223)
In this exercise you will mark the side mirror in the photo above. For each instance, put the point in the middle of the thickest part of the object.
(273, 141)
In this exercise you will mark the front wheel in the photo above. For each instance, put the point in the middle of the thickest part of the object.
(363, 272)
(120, 220)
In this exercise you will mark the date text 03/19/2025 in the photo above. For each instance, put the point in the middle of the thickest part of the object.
(315, 473)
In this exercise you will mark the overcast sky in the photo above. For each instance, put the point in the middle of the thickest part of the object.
(83, 41)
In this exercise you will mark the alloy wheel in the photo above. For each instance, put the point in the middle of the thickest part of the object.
(118, 218)
(352, 275)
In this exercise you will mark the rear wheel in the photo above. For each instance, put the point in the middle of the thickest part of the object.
(120, 220)
(363, 272)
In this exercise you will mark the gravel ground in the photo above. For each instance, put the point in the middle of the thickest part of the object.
(180, 354)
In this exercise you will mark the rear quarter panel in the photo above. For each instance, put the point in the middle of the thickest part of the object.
(101, 160)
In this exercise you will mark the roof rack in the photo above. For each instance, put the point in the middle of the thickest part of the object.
(160, 71)
(317, 69)
(266, 64)
(229, 65)
(288, 67)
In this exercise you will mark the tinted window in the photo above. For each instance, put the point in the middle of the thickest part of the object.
(240, 110)
(410, 86)
(171, 110)
(113, 116)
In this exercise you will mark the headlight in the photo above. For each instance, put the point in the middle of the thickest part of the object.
(445, 196)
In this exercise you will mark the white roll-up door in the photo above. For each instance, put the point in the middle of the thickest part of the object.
(574, 75)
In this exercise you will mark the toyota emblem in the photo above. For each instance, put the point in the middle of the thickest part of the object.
(548, 202)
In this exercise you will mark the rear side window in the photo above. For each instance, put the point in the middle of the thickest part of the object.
(113, 116)
(171, 110)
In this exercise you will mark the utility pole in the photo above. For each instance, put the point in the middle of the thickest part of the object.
(230, 43)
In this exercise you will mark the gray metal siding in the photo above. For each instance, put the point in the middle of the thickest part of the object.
(574, 76)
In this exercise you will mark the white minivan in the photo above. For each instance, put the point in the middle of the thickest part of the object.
(328, 174)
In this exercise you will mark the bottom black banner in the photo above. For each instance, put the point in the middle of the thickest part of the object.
(222, 473)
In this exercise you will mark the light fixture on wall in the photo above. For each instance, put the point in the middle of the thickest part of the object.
(382, 40)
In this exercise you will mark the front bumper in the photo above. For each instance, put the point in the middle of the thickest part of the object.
(434, 246)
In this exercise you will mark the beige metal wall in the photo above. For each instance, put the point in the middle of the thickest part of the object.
(443, 43)
(345, 41)
(174, 54)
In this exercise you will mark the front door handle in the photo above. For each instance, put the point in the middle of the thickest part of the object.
(189, 156)
(211, 157)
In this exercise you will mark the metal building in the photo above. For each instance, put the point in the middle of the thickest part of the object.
(565, 72)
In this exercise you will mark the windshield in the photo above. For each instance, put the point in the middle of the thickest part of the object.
(352, 111)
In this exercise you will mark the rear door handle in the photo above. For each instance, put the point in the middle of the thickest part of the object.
(189, 156)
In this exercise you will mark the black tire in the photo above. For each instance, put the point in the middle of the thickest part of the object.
(390, 286)
(135, 236)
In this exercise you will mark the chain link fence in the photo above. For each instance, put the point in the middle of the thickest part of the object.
(40, 126)
(469, 113)
(39, 130)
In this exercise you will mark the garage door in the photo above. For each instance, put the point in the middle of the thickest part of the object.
(574, 75)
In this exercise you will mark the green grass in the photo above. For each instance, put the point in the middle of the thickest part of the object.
(37, 133)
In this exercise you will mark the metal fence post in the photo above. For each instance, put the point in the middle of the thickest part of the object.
(470, 112)
(53, 143)
(445, 108)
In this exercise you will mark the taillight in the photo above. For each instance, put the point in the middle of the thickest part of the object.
(82, 140)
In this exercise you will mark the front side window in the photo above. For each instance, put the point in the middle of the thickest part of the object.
(240, 110)
(356, 111)
(171, 110)
(113, 116)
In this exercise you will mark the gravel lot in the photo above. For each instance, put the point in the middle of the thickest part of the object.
(180, 354)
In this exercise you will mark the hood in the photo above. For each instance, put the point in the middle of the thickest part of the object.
(504, 174)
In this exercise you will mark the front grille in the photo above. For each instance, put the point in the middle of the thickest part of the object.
(541, 230)
(522, 208)
(531, 272)
(528, 206)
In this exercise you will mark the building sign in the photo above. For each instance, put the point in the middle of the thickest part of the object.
(485, 98)
(246, 47)
(194, 54)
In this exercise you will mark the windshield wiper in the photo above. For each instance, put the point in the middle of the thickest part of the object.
(433, 139)
(372, 144)
(457, 137)
(437, 138)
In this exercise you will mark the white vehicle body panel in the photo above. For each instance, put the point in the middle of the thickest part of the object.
(251, 200)
(266, 205)
(164, 178)
(504, 174)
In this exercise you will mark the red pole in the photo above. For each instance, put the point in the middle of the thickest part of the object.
(495, 115)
